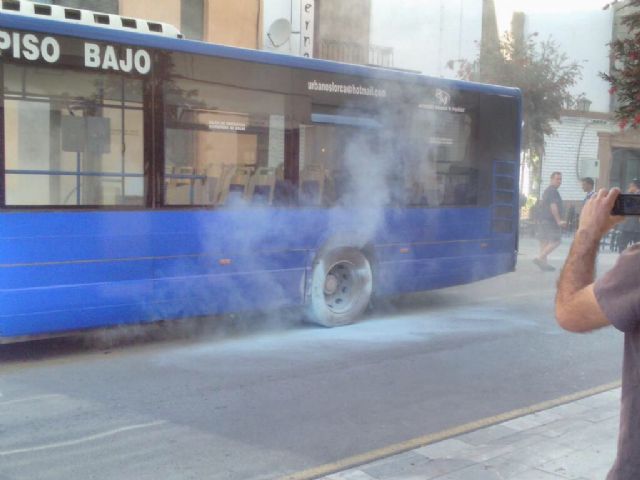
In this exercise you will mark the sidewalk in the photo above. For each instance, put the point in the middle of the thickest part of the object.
(575, 441)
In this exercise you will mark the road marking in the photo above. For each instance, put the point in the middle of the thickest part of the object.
(412, 444)
(29, 399)
(78, 441)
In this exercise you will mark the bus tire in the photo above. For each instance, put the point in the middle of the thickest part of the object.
(341, 286)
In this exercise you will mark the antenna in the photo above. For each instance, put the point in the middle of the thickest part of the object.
(279, 32)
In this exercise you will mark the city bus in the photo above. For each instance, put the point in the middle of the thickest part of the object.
(147, 177)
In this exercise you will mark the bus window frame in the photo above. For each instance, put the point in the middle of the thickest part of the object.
(148, 87)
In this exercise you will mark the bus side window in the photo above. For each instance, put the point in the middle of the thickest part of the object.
(312, 182)
(228, 141)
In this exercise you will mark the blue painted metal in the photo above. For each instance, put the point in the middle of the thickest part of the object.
(63, 271)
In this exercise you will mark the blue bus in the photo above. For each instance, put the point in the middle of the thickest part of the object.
(147, 177)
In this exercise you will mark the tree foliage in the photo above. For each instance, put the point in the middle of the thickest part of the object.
(543, 74)
(624, 76)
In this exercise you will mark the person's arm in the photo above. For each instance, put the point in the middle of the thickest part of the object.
(555, 211)
(577, 308)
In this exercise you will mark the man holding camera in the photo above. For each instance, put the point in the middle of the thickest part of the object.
(584, 304)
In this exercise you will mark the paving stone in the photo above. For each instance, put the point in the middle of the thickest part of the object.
(531, 456)
(450, 448)
(532, 421)
(579, 464)
(503, 446)
(534, 474)
(569, 409)
(505, 466)
(560, 427)
(349, 475)
(475, 472)
(601, 434)
(414, 466)
(406, 457)
(486, 435)
(599, 414)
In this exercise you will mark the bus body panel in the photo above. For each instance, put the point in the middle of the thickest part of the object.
(188, 263)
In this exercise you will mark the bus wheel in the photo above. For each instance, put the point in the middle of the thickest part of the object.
(341, 285)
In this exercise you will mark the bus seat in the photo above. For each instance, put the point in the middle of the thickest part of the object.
(221, 190)
(204, 187)
(178, 188)
(234, 183)
(262, 186)
(312, 180)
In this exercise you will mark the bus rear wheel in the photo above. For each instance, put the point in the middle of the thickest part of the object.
(341, 286)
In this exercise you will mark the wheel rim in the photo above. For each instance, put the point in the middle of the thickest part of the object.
(341, 287)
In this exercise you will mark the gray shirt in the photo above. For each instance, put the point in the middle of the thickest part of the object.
(618, 296)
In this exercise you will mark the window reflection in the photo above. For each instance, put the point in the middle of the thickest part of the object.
(224, 146)
(72, 138)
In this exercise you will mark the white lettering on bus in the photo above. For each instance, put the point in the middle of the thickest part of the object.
(5, 40)
(143, 62)
(127, 64)
(110, 59)
(91, 55)
(50, 50)
(31, 50)
(107, 59)
(29, 47)
(16, 45)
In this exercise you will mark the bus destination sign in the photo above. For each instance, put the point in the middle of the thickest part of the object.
(104, 57)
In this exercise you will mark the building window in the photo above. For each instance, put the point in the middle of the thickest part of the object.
(625, 167)
(192, 19)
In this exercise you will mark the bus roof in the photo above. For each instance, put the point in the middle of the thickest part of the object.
(66, 28)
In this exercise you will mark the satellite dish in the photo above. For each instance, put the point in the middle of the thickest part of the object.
(279, 32)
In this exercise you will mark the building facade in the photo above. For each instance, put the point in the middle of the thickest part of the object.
(574, 150)
(329, 29)
(588, 143)
(236, 23)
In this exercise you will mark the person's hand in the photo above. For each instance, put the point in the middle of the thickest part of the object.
(562, 224)
(596, 219)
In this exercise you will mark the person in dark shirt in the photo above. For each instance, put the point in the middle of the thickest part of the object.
(550, 222)
(584, 304)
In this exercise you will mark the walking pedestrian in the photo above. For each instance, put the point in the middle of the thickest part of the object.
(551, 222)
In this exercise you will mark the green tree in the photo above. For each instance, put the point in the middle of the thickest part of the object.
(544, 75)
(624, 76)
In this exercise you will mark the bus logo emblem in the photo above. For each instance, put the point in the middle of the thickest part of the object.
(443, 97)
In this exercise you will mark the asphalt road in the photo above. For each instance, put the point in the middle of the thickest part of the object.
(264, 396)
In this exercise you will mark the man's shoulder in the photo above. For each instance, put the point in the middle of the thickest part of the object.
(551, 193)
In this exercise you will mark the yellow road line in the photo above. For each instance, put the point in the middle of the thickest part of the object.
(397, 448)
